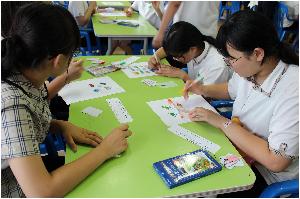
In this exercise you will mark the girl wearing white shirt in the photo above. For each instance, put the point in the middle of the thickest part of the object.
(185, 43)
(265, 87)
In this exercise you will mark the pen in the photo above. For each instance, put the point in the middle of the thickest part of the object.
(199, 78)
(157, 60)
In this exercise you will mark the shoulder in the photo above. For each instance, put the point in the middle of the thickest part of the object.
(10, 95)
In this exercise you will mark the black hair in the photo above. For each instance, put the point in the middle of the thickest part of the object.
(182, 36)
(8, 12)
(247, 30)
(38, 31)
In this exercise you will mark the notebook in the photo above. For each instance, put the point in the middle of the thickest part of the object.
(187, 167)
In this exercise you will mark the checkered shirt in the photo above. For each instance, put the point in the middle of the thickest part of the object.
(25, 123)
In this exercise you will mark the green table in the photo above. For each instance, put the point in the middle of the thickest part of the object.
(113, 4)
(132, 174)
(117, 32)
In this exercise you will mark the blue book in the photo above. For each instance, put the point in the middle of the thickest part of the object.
(187, 167)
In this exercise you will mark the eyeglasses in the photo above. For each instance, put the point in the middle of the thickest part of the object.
(229, 61)
(178, 58)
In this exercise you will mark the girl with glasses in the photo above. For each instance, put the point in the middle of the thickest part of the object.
(265, 87)
(185, 43)
(42, 40)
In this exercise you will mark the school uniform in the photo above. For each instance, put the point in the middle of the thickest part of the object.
(274, 118)
(202, 14)
(78, 8)
(25, 123)
(209, 66)
(146, 10)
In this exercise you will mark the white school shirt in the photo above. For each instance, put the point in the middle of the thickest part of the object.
(78, 8)
(274, 119)
(210, 66)
(202, 14)
(146, 10)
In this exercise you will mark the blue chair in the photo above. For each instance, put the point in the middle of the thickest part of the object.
(223, 107)
(278, 189)
(230, 6)
(65, 4)
(281, 14)
(89, 50)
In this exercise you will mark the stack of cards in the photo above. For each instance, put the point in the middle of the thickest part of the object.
(101, 70)
(119, 110)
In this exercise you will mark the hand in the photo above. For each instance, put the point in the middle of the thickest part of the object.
(75, 70)
(170, 71)
(116, 142)
(129, 12)
(202, 114)
(195, 88)
(157, 40)
(74, 134)
(156, 5)
(152, 63)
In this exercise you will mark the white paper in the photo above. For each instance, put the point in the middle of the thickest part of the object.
(92, 111)
(113, 14)
(195, 138)
(137, 70)
(112, 3)
(124, 63)
(119, 110)
(170, 114)
(89, 89)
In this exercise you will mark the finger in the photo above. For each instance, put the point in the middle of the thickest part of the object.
(124, 127)
(94, 138)
(96, 134)
(90, 142)
(71, 143)
(127, 133)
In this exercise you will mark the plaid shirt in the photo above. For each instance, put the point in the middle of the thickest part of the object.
(25, 123)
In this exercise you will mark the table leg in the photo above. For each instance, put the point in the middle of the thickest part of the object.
(109, 45)
(145, 45)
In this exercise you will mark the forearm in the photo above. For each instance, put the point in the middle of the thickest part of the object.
(55, 85)
(161, 53)
(216, 91)
(246, 141)
(159, 13)
(168, 16)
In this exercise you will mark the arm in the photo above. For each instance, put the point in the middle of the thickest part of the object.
(167, 17)
(160, 53)
(74, 72)
(37, 182)
(156, 6)
(243, 139)
(84, 20)
(216, 91)
(129, 11)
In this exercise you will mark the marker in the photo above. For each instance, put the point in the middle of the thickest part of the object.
(157, 60)
(199, 78)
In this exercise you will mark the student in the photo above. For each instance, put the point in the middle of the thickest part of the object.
(202, 14)
(151, 11)
(41, 45)
(185, 43)
(8, 11)
(82, 11)
(265, 87)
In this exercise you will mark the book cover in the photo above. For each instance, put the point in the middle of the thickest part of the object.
(187, 167)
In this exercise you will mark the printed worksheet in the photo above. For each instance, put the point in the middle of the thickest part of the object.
(137, 70)
(89, 89)
(174, 111)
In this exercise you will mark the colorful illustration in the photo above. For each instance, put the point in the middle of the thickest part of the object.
(137, 70)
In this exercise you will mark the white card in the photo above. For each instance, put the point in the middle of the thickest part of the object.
(195, 138)
(137, 70)
(176, 112)
(119, 110)
(167, 84)
(149, 82)
(89, 89)
(124, 63)
(92, 111)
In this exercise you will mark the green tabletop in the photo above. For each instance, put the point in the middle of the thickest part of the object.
(113, 4)
(132, 174)
(145, 29)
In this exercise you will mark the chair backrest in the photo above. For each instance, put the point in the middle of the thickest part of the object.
(65, 4)
(289, 188)
(280, 15)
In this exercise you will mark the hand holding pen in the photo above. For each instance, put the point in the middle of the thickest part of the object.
(192, 86)
(157, 60)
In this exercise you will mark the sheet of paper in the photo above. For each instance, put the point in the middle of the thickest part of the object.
(119, 110)
(92, 111)
(137, 70)
(113, 14)
(112, 3)
(124, 63)
(175, 110)
(194, 138)
(89, 89)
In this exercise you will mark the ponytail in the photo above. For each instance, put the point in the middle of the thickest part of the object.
(287, 55)
(212, 41)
